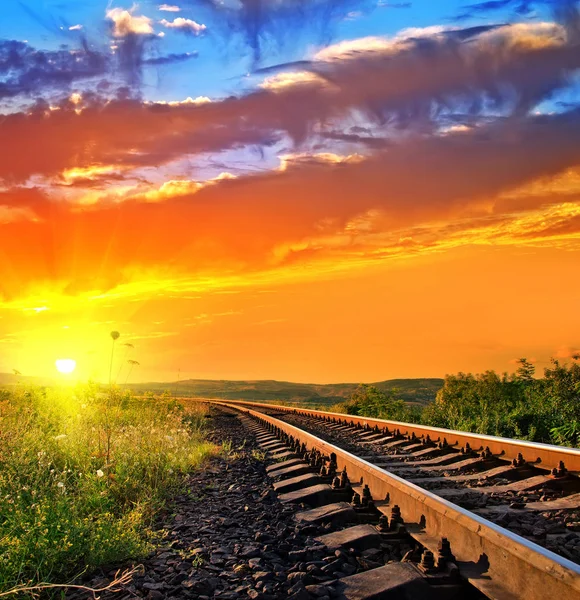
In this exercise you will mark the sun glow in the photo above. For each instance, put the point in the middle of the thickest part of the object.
(65, 365)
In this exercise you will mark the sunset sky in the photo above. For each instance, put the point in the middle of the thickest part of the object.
(305, 190)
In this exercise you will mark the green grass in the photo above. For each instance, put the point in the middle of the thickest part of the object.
(82, 474)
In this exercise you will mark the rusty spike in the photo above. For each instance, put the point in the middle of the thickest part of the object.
(427, 564)
(366, 495)
(396, 518)
(560, 471)
(444, 554)
(383, 524)
(486, 453)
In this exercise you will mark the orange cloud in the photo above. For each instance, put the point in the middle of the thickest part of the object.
(568, 352)
(419, 195)
(380, 189)
(517, 65)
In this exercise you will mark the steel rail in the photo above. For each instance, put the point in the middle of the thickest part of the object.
(501, 564)
(547, 456)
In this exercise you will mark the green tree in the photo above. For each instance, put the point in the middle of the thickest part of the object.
(561, 394)
(369, 401)
(525, 371)
(545, 409)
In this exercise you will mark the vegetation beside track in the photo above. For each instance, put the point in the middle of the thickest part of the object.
(83, 472)
(518, 405)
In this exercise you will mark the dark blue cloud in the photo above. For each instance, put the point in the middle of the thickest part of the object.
(267, 24)
(170, 58)
(25, 70)
(28, 72)
(519, 7)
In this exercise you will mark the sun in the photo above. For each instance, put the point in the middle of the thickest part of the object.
(66, 365)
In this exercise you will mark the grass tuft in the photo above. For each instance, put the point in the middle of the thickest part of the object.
(82, 474)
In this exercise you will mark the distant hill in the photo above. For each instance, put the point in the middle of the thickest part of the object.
(12, 379)
(415, 391)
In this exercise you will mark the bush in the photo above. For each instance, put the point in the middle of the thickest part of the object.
(546, 409)
(371, 402)
(519, 406)
(82, 474)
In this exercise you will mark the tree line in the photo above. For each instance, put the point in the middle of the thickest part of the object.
(517, 405)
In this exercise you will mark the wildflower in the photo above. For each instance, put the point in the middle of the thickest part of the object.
(60, 484)
(100, 473)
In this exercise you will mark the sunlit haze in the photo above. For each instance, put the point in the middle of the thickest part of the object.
(65, 365)
(322, 191)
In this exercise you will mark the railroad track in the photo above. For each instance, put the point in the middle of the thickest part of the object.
(414, 480)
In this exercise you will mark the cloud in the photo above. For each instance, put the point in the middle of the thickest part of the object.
(48, 75)
(170, 58)
(11, 214)
(413, 79)
(132, 34)
(419, 77)
(263, 22)
(126, 132)
(287, 80)
(27, 71)
(126, 23)
(188, 101)
(521, 7)
(168, 190)
(414, 82)
(184, 25)
(567, 352)
(559, 224)
(562, 9)
(441, 191)
(168, 8)
(422, 75)
(406, 84)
